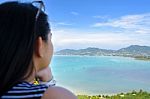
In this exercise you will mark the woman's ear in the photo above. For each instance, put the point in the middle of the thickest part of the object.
(39, 50)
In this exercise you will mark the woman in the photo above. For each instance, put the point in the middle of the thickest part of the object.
(25, 53)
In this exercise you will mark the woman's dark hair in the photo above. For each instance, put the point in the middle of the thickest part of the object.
(18, 33)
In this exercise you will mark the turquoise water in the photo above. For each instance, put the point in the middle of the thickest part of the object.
(101, 74)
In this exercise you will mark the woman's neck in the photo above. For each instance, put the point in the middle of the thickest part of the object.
(30, 78)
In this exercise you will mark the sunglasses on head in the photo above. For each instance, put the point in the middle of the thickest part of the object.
(40, 5)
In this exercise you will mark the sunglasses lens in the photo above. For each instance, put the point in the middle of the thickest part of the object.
(39, 5)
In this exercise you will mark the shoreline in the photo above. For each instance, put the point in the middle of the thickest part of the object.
(78, 92)
(134, 94)
(127, 95)
(142, 58)
(82, 92)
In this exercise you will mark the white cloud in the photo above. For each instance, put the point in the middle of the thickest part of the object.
(143, 31)
(55, 24)
(63, 23)
(100, 17)
(74, 13)
(136, 23)
(70, 39)
(134, 29)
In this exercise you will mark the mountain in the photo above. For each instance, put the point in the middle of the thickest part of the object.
(136, 49)
(131, 51)
(88, 51)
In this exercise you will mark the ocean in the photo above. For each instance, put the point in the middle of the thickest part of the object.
(94, 75)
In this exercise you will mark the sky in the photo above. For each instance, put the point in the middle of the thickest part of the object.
(107, 24)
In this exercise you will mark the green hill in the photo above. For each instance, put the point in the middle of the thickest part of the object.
(133, 50)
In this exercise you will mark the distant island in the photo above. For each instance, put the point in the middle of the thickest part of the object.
(135, 51)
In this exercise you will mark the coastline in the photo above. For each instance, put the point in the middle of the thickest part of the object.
(77, 91)
(128, 95)
(142, 58)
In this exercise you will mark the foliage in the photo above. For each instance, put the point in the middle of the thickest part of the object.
(131, 95)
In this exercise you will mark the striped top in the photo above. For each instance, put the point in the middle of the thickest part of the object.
(25, 90)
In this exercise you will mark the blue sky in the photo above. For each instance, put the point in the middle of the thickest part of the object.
(110, 24)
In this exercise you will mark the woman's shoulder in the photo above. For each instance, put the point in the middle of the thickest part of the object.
(56, 92)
